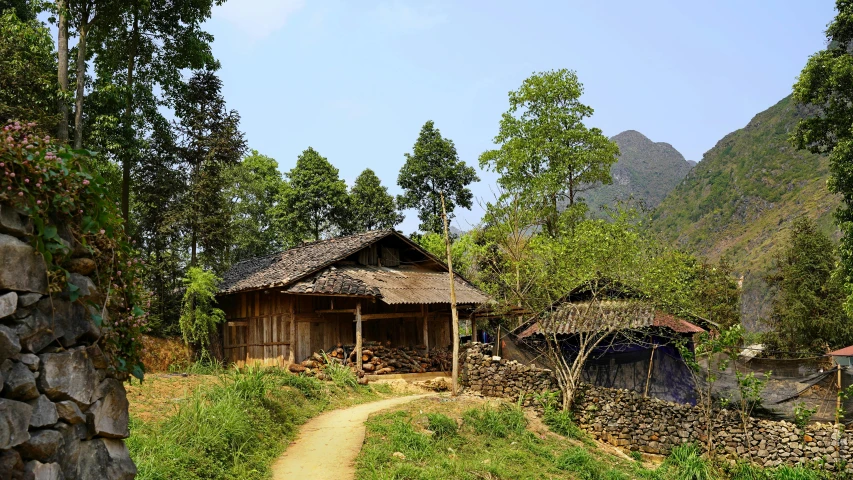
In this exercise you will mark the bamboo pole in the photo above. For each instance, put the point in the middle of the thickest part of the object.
(291, 357)
(426, 329)
(358, 335)
(838, 400)
(649, 376)
(453, 313)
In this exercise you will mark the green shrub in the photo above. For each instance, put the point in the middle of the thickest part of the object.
(309, 386)
(442, 425)
(496, 422)
(585, 466)
(562, 423)
(341, 375)
(685, 462)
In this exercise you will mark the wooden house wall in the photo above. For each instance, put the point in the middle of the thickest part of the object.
(258, 326)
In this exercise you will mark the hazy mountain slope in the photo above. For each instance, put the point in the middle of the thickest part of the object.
(739, 201)
(646, 172)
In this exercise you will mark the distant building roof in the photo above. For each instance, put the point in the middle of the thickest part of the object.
(844, 352)
(579, 317)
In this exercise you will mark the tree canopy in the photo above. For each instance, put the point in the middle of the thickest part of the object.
(371, 207)
(434, 169)
(253, 194)
(545, 150)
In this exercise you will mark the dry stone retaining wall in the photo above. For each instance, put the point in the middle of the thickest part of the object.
(63, 408)
(626, 419)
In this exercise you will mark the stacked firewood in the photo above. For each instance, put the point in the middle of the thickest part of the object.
(378, 359)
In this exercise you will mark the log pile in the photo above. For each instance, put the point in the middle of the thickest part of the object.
(378, 359)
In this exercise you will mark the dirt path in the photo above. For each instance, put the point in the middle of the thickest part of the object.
(328, 444)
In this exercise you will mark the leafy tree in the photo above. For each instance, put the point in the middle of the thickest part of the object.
(314, 201)
(546, 152)
(464, 251)
(716, 294)
(25, 10)
(146, 49)
(826, 83)
(371, 207)
(431, 170)
(253, 195)
(27, 72)
(199, 315)
(808, 313)
(212, 144)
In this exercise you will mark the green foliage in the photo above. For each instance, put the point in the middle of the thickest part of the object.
(825, 83)
(463, 250)
(27, 71)
(586, 467)
(253, 194)
(370, 206)
(499, 421)
(442, 425)
(562, 422)
(808, 314)
(546, 152)
(69, 205)
(685, 462)
(341, 375)
(199, 316)
(802, 415)
(431, 170)
(313, 203)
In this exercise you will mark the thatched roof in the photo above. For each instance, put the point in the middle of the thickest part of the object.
(629, 314)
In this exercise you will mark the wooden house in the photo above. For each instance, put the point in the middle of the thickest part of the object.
(378, 285)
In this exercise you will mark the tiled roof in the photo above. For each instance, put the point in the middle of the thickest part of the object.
(283, 268)
(333, 281)
(578, 317)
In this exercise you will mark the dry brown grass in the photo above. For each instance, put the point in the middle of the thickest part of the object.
(160, 395)
(160, 353)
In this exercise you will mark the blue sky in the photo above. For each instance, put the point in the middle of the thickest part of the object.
(357, 80)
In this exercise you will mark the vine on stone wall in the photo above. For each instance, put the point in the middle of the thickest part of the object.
(72, 217)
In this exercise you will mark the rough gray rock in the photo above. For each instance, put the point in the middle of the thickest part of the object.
(10, 345)
(44, 412)
(68, 411)
(67, 376)
(109, 412)
(19, 384)
(14, 421)
(23, 270)
(27, 299)
(103, 459)
(8, 304)
(36, 330)
(30, 360)
(85, 286)
(14, 223)
(83, 266)
(44, 471)
(71, 321)
(43, 445)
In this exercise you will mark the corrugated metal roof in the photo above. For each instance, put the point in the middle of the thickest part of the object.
(410, 285)
(581, 317)
(844, 352)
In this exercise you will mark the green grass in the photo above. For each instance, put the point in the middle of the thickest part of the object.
(235, 428)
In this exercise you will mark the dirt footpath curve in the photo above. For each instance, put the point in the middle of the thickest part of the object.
(327, 445)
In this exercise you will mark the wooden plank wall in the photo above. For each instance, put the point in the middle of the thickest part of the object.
(258, 326)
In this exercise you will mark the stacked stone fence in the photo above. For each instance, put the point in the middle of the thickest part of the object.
(627, 419)
(63, 407)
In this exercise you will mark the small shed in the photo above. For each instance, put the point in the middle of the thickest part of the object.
(380, 285)
(641, 353)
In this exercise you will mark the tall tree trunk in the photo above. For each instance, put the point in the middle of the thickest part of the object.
(128, 116)
(194, 241)
(81, 78)
(62, 70)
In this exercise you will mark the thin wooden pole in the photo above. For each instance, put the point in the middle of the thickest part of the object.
(291, 357)
(358, 335)
(649, 376)
(453, 313)
(473, 328)
(425, 315)
(838, 400)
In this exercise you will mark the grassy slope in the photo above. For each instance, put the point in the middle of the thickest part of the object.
(471, 440)
(227, 426)
(740, 200)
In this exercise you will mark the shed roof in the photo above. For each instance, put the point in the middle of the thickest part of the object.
(581, 317)
(844, 352)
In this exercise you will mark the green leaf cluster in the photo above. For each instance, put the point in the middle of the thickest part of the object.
(199, 314)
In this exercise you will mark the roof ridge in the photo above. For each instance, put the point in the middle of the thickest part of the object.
(312, 243)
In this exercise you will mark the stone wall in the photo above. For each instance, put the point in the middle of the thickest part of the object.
(627, 419)
(63, 408)
(498, 377)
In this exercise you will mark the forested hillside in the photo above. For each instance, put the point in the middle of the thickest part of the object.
(645, 173)
(740, 201)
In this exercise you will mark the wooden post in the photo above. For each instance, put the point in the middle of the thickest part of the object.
(649, 376)
(291, 357)
(453, 313)
(838, 400)
(498, 341)
(473, 328)
(358, 335)
(425, 315)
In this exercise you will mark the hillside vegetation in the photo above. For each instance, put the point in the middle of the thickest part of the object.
(645, 173)
(740, 201)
